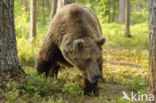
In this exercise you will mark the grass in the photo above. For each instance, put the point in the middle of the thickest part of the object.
(125, 69)
(115, 34)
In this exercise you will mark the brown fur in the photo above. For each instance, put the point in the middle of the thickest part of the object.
(74, 39)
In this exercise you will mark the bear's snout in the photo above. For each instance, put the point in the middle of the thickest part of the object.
(98, 78)
(93, 74)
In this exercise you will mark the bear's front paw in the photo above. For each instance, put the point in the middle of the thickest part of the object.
(91, 91)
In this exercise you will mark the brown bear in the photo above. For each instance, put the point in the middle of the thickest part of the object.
(74, 39)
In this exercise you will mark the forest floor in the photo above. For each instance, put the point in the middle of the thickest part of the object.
(125, 68)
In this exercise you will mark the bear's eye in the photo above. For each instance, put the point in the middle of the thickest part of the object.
(88, 60)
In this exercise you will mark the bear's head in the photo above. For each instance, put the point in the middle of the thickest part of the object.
(86, 55)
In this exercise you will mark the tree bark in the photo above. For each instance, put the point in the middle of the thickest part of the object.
(9, 62)
(114, 10)
(61, 3)
(53, 8)
(26, 5)
(43, 19)
(32, 19)
(21, 2)
(68, 1)
(127, 18)
(48, 4)
(152, 47)
(57, 5)
(121, 11)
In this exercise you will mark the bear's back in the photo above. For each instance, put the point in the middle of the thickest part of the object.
(75, 19)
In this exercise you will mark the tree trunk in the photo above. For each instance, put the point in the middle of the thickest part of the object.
(48, 4)
(32, 19)
(26, 5)
(114, 10)
(127, 18)
(53, 8)
(58, 4)
(152, 47)
(21, 2)
(121, 11)
(61, 3)
(9, 62)
(43, 19)
(68, 1)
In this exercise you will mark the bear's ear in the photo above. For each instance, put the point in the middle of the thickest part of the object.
(101, 41)
(78, 44)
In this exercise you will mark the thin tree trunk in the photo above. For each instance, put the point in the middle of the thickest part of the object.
(53, 8)
(121, 11)
(57, 5)
(48, 4)
(32, 19)
(127, 19)
(152, 47)
(68, 1)
(43, 19)
(61, 3)
(114, 11)
(26, 5)
(9, 62)
(21, 2)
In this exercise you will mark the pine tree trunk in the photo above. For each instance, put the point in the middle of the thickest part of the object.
(114, 10)
(152, 47)
(58, 4)
(21, 2)
(68, 1)
(127, 18)
(32, 19)
(121, 11)
(9, 62)
(61, 3)
(53, 8)
(43, 19)
(26, 5)
(48, 4)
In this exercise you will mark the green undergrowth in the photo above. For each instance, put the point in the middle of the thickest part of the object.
(116, 39)
(38, 89)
